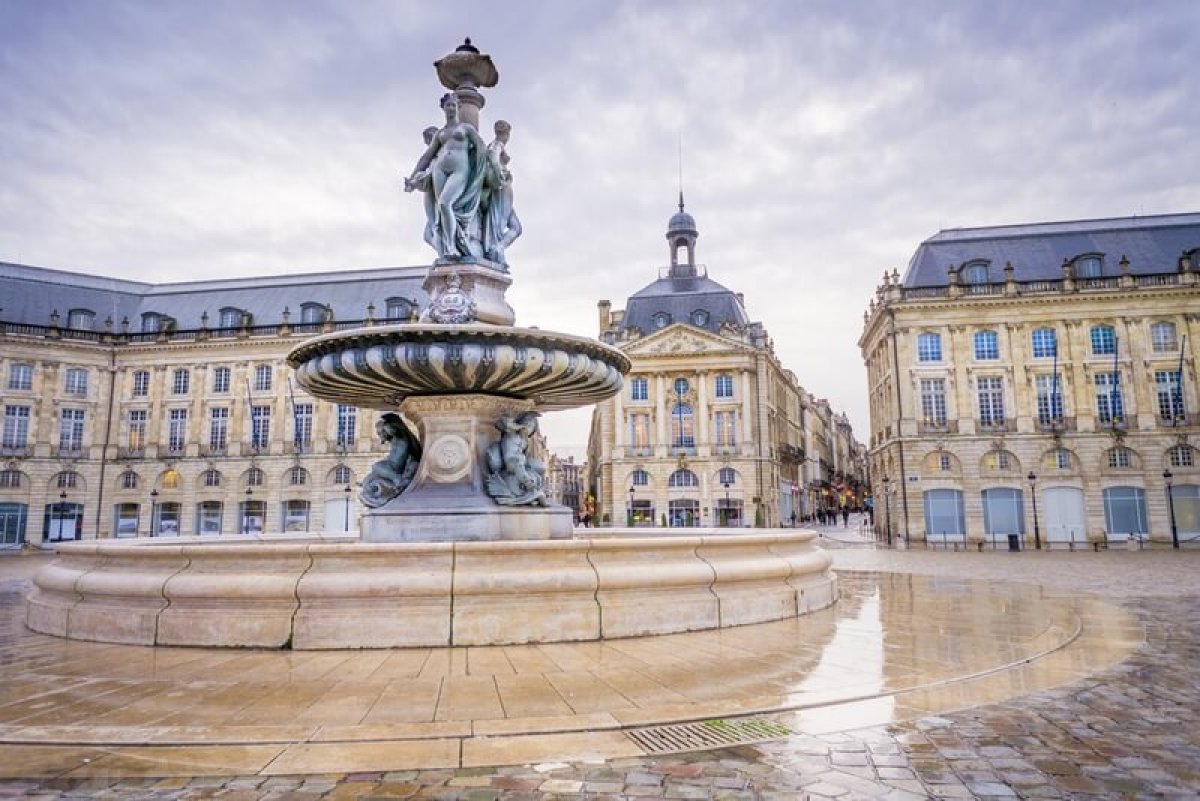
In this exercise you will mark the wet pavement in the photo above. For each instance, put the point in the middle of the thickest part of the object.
(1127, 731)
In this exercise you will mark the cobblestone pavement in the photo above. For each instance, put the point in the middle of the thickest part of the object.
(1130, 732)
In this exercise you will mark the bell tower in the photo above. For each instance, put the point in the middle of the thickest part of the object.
(681, 237)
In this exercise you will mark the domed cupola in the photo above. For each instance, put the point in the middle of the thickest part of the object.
(682, 235)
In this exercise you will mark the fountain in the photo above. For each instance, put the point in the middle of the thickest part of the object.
(461, 545)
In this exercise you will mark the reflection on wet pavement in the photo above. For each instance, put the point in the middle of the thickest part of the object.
(895, 647)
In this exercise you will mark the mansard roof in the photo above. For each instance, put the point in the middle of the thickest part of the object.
(30, 293)
(680, 297)
(1037, 251)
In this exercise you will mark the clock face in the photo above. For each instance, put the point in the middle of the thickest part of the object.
(681, 386)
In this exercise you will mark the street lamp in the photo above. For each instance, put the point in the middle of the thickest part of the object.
(1171, 506)
(725, 511)
(246, 515)
(153, 511)
(346, 524)
(629, 509)
(1037, 534)
(887, 504)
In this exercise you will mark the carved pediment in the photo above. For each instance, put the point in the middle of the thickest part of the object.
(679, 339)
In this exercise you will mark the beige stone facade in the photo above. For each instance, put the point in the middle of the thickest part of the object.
(991, 371)
(113, 431)
(710, 429)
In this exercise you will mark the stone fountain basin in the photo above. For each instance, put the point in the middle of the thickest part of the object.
(379, 366)
(321, 593)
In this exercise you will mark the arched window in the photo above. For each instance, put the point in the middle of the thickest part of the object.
(727, 476)
(1163, 338)
(682, 386)
(929, 347)
(975, 273)
(640, 478)
(254, 477)
(1044, 342)
(1182, 456)
(683, 478)
(987, 346)
(297, 476)
(231, 317)
(700, 318)
(342, 475)
(170, 479)
(212, 478)
(1104, 340)
(683, 426)
(128, 480)
(1120, 457)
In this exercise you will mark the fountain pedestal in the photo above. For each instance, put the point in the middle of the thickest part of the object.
(447, 499)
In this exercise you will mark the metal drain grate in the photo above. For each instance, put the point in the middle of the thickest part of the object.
(706, 734)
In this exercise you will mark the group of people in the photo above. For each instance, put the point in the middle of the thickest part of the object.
(467, 188)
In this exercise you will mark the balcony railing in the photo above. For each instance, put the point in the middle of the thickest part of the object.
(131, 453)
(938, 426)
(15, 450)
(70, 451)
(220, 449)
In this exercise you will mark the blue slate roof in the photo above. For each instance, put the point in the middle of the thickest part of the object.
(680, 297)
(1037, 251)
(29, 294)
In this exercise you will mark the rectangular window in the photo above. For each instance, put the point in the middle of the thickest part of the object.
(126, 519)
(220, 379)
(16, 426)
(20, 376)
(1049, 399)
(929, 347)
(180, 382)
(1062, 459)
(1109, 405)
(1169, 391)
(991, 401)
(933, 401)
(137, 429)
(260, 426)
(208, 518)
(262, 378)
(141, 383)
(70, 431)
(347, 425)
(1163, 339)
(987, 346)
(1104, 340)
(303, 423)
(639, 389)
(176, 430)
(639, 431)
(1045, 343)
(944, 463)
(726, 426)
(76, 381)
(724, 386)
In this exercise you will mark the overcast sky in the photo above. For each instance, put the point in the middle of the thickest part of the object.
(821, 141)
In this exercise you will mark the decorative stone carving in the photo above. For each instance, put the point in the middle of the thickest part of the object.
(391, 476)
(515, 478)
(453, 304)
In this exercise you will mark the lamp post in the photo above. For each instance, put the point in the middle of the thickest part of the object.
(887, 503)
(153, 511)
(725, 510)
(1037, 533)
(1171, 507)
(629, 509)
(346, 524)
(246, 514)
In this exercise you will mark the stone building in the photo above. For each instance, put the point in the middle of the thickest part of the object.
(133, 409)
(1039, 382)
(710, 429)
(565, 482)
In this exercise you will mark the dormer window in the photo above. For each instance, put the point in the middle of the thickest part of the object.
(661, 320)
(1088, 267)
(399, 309)
(975, 273)
(80, 319)
(700, 318)
(311, 313)
(231, 317)
(151, 322)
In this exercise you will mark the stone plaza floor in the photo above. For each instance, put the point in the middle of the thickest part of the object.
(938, 675)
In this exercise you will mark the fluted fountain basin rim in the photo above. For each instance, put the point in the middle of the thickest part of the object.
(379, 366)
